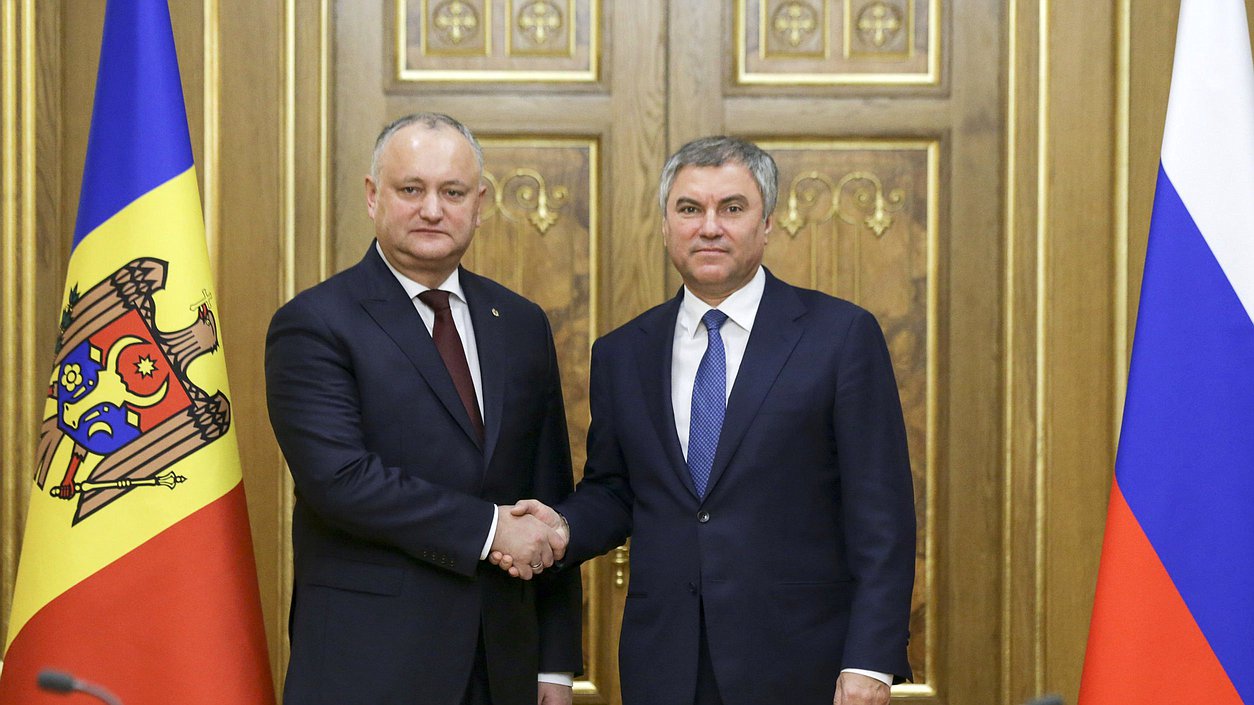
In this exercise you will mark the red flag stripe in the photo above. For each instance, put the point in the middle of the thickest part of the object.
(179, 595)
(1144, 645)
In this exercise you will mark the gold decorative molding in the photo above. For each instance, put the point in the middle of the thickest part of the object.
(872, 33)
(456, 21)
(878, 220)
(561, 272)
(793, 30)
(541, 41)
(807, 188)
(542, 28)
(210, 116)
(19, 378)
(878, 23)
(451, 28)
(621, 560)
(533, 199)
(774, 47)
(287, 239)
(539, 21)
(924, 209)
(795, 22)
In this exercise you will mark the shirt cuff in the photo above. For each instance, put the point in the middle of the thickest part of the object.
(885, 678)
(487, 545)
(566, 679)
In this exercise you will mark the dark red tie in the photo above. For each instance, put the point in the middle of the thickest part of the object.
(449, 343)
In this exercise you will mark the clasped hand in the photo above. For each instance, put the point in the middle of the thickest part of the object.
(529, 537)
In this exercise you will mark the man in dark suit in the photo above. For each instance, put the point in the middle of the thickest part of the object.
(748, 436)
(411, 398)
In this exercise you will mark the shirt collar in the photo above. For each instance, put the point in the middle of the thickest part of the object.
(453, 284)
(741, 307)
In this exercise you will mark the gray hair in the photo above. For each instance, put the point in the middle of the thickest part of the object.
(431, 121)
(717, 151)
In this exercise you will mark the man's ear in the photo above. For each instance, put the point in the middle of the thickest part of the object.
(372, 195)
(483, 191)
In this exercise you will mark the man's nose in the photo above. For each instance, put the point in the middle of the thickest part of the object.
(429, 208)
(710, 225)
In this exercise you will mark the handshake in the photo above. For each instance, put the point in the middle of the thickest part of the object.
(530, 536)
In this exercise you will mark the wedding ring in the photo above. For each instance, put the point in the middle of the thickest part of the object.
(537, 566)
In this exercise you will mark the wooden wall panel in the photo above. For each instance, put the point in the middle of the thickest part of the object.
(837, 42)
(473, 41)
(21, 35)
(250, 220)
(1041, 121)
(858, 220)
(580, 135)
(539, 235)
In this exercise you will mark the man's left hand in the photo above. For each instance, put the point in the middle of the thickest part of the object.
(554, 694)
(857, 689)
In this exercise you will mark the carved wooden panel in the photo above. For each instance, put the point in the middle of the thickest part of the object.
(539, 236)
(498, 40)
(858, 221)
(837, 42)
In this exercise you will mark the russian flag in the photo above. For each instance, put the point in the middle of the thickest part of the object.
(137, 571)
(1173, 619)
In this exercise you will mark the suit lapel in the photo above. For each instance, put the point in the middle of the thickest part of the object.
(653, 356)
(385, 302)
(493, 360)
(775, 334)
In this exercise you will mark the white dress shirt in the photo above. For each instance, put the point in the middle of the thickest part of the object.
(461, 319)
(691, 340)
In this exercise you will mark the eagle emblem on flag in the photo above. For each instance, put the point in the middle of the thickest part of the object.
(120, 393)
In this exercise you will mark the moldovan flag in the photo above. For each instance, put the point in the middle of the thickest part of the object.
(137, 570)
(1173, 620)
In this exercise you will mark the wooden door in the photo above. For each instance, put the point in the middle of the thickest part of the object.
(978, 174)
(873, 110)
(578, 102)
(569, 100)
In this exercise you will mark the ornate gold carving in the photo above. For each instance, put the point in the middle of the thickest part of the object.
(456, 20)
(539, 206)
(463, 41)
(795, 22)
(620, 560)
(879, 23)
(809, 187)
(539, 21)
(853, 42)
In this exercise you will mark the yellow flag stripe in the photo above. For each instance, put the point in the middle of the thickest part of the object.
(165, 224)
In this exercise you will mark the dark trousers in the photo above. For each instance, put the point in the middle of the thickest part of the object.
(477, 691)
(707, 686)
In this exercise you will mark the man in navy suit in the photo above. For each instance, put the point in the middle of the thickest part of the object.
(414, 402)
(748, 436)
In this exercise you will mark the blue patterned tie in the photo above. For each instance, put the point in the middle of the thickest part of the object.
(709, 403)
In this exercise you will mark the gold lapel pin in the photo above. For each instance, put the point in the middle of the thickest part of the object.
(496, 313)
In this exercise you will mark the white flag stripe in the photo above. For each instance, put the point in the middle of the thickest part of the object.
(1208, 141)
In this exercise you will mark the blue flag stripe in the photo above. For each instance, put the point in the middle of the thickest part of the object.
(139, 137)
(1186, 454)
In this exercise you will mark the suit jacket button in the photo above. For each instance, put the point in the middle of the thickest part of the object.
(703, 516)
(692, 588)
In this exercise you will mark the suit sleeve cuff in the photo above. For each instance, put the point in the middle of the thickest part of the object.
(885, 678)
(566, 679)
(487, 545)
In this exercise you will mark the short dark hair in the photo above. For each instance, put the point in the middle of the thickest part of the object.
(432, 121)
(717, 151)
